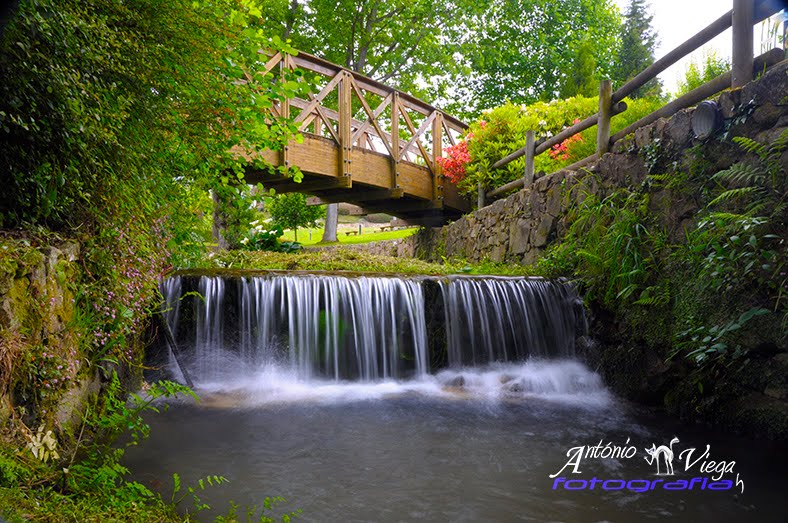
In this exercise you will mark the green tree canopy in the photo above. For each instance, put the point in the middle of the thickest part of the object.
(464, 55)
(528, 50)
(103, 103)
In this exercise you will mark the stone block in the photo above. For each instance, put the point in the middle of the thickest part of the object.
(767, 114)
(542, 232)
(679, 128)
(519, 234)
(729, 103)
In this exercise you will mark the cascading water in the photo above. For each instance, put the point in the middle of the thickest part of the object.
(508, 319)
(334, 327)
(309, 328)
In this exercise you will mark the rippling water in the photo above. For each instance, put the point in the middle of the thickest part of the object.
(463, 445)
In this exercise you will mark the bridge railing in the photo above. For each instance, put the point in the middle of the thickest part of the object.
(744, 15)
(353, 110)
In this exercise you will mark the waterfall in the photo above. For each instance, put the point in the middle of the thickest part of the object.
(508, 319)
(365, 328)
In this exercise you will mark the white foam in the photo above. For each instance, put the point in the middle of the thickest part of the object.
(563, 381)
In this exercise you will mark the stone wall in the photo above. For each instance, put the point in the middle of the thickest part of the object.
(40, 335)
(520, 227)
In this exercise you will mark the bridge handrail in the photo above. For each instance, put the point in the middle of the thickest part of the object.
(745, 14)
(313, 109)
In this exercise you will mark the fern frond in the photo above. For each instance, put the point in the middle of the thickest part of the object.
(750, 145)
(732, 194)
(741, 174)
(781, 143)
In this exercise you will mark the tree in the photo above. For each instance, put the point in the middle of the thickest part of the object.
(528, 50)
(696, 75)
(402, 43)
(290, 211)
(636, 52)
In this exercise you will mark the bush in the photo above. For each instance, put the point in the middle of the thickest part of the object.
(502, 131)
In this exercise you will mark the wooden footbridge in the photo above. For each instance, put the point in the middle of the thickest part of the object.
(365, 143)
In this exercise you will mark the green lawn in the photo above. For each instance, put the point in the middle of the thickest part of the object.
(368, 234)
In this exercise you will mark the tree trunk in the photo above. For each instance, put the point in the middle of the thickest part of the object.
(295, 234)
(219, 222)
(332, 218)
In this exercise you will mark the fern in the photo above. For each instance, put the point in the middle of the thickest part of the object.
(759, 184)
(750, 145)
(741, 174)
(732, 195)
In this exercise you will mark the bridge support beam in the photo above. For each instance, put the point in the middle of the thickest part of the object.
(403, 207)
(357, 196)
(286, 185)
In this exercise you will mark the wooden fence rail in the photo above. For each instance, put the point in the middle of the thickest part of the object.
(742, 17)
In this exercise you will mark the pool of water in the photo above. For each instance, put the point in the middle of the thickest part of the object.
(469, 445)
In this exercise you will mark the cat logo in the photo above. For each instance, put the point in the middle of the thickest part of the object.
(662, 454)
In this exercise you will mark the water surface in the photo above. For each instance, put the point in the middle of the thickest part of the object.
(464, 445)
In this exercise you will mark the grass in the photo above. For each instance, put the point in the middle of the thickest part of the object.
(44, 504)
(340, 259)
(368, 234)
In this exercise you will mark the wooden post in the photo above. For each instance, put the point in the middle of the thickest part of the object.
(605, 113)
(345, 116)
(743, 15)
(480, 196)
(395, 146)
(530, 149)
(437, 152)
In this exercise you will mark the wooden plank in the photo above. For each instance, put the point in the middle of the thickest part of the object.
(345, 116)
(605, 114)
(328, 123)
(402, 206)
(316, 100)
(270, 64)
(371, 167)
(417, 134)
(454, 201)
(316, 155)
(437, 152)
(395, 145)
(316, 65)
(374, 115)
(415, 180)
(452, 141)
